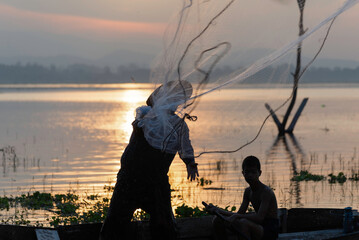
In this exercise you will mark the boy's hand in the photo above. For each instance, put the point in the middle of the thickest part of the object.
(232, 218)
(211, 209)
(192, 171)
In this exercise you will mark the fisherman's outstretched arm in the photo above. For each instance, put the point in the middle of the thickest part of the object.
(187, 154)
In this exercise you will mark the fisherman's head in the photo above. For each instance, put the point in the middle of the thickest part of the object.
(173, 92)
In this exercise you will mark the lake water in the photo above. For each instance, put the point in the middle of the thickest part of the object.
(72, 137)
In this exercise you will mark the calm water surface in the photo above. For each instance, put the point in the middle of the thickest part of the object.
(72, 137)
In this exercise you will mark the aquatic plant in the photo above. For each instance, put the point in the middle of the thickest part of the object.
(187, 211)
(233, 208)
(109, 188)
(219, 165)
(304, 175)
(66, 203)
(4, 203)
(354, 177)
(36, 200)
(202, 182)
(66, 208)
(69, 197)
(140, 215)
(69, 209)
(19, 218)
(93, 213)
(250, 208)
(93, 197)
(340, 178)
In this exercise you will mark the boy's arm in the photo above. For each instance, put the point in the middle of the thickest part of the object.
(244, 206)
(213, 209)
(262, 212)
(242, 209)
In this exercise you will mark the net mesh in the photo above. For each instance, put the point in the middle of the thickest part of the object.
(211, 45)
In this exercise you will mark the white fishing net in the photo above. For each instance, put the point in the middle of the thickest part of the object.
(162, 127)
(214, 44)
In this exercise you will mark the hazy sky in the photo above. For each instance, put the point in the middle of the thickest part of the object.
(94, 28)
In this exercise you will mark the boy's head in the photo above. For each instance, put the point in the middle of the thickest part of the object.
(251, 169)
(251, 161)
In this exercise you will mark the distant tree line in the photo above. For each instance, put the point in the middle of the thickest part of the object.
(323, 75)
(80, 73)
(77, 73)
(312, 75)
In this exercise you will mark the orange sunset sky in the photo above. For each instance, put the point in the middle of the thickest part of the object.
(92, 29)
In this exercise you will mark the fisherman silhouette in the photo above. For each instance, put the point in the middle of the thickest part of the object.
(142, 181)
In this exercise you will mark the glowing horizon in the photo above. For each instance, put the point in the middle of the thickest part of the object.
(78, 25)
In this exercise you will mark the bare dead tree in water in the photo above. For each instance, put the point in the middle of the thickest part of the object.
(296, 74)
(292, 98)
(296, 77)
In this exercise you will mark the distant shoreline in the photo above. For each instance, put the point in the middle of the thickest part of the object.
(119, 86)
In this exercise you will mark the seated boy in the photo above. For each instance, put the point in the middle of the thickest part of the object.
(263, 224)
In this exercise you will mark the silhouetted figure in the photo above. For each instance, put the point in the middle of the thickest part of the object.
(263, 224)
(142, 181)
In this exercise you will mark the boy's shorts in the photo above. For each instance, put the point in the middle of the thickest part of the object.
(270, 228)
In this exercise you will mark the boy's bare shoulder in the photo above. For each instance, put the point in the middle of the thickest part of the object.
(268, 190)
(265, 192)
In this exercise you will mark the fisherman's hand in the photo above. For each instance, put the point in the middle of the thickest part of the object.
(192, 171)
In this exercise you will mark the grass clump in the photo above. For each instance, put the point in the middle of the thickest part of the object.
(304, 175)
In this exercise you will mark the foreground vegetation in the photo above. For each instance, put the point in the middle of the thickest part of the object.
(65, 208)
(68, 209)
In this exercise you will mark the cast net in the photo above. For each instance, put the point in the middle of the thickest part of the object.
(213, 45)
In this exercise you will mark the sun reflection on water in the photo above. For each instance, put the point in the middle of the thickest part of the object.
(124, 117)
(133, 95)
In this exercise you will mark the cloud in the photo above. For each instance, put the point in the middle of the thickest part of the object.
(17, 19)
(286, 2)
